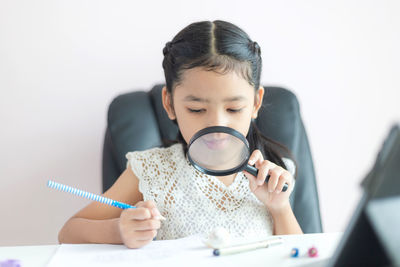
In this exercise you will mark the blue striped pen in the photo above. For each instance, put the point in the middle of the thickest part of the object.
(92, 196)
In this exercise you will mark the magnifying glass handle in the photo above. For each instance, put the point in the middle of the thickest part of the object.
(254, 171)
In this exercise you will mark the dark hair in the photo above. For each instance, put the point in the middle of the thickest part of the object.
(222, 47)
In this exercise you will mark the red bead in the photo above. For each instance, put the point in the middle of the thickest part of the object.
(313, 252)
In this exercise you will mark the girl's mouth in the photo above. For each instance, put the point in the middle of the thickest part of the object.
(216, 144)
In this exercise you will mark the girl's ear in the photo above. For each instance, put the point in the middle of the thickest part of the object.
(258, 102)
(167, 103)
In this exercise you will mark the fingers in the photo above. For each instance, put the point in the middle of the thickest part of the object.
(152, 208)
(256, 158)
(136, 214)
(275, 176)
(139, 226)
(136, 243)
(278, 176)
(146, 225)
(137, 233)
(143, 210)
(139, 220)
(264, 169)
(133, 234)
(138, 239)
(286, 178)
(146, 235)
(146, 204)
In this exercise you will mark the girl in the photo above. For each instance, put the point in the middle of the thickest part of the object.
(212, 72)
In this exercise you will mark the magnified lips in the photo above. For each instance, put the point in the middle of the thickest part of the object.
(216, 143)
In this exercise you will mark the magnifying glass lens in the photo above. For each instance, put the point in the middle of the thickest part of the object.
(218, 151)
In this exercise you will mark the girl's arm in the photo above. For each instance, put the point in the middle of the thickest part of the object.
(100, 223)
(271, 194)
(285, 223)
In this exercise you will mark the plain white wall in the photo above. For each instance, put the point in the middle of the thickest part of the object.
(62, 62)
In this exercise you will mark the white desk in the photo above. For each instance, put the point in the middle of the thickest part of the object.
(274, 256)
(29, 255)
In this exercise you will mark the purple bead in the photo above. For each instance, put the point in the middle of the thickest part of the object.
(10, 263)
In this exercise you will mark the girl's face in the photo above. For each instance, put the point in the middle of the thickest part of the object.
(206, 98)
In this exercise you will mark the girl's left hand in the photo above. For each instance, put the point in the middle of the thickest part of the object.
(270, 193)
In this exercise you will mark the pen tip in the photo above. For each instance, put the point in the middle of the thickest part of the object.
(160, 217)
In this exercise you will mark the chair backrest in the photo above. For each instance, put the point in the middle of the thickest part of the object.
(138, 121)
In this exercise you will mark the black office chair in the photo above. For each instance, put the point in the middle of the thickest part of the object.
(138, 121)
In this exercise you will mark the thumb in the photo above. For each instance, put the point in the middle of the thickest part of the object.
(146, 204)
(151, 206)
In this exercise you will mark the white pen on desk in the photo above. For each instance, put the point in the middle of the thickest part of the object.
(91, 196)
(246, 247)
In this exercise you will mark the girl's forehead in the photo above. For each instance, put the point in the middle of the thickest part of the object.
(201, 82)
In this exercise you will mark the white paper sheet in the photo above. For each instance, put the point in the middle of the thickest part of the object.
(191, 251)
(156, 253)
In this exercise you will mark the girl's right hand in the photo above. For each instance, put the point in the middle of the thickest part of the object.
(139, 226)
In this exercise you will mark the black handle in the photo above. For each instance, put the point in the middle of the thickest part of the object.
(254, 171)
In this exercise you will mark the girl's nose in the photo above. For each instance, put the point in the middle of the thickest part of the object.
(217, 119)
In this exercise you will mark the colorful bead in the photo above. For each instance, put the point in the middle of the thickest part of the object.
(313, 252)
(294, 253)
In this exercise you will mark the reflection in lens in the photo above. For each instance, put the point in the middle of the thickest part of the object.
(218, 151)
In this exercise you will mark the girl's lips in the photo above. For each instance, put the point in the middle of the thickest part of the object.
(215, 144)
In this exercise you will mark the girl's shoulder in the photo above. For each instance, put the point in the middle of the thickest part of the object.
(157, 154)
(155, 167)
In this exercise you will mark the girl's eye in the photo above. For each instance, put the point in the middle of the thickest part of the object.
(232, 110)
(196, 110)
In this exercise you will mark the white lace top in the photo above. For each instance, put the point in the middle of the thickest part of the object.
(196, 203)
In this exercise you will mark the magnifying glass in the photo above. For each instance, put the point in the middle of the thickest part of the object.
(221, 151)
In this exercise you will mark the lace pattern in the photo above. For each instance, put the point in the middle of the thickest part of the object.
(196, 203)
